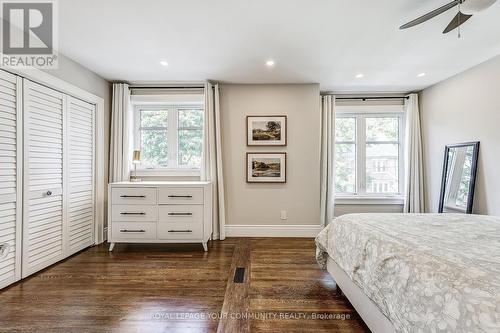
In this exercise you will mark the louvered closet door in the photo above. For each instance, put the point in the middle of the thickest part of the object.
(80, 134)
(10, 177)
(43, 223)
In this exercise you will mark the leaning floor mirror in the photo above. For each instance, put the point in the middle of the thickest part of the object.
(459, 178)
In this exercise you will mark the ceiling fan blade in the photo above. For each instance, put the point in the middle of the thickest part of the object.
(457, 21)
(430, 15)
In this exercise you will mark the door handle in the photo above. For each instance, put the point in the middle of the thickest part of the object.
(180, 196)
(180, 231)
(48, 193)
(4, 250)
(180, 214)
(126, 213)
(126, 230)
(132, 196)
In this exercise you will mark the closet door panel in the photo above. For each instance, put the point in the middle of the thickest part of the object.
(43, 177)
(81, 208)
(10, 178)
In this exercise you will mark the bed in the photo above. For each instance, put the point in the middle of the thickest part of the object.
(417, 272)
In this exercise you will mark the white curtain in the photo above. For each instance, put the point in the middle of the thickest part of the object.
(327, 156)
(121, 132)
(414, 183)
(212, 159)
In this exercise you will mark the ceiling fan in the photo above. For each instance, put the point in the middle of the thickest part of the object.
(466, 8)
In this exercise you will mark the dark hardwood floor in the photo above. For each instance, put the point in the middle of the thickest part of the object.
(180, 288)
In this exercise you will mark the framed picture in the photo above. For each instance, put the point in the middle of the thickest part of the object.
(266, 130)
(266, 167)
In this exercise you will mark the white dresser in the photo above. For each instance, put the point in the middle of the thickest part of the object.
(160, 212)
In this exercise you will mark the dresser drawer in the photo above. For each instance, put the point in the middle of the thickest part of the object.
(180, 195)
(134, 213)
(133, 195)
(133, 231)
(180, 230)
(181, 213)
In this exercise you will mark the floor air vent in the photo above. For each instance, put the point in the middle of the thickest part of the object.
(239, 275)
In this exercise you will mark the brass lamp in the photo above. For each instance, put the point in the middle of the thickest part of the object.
(136, 160)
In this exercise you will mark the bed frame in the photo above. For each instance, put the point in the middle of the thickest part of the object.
(366, 308)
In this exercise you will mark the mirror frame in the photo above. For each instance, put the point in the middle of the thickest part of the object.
(472, 185)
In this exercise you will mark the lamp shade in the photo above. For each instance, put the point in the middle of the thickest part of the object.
(137, 156)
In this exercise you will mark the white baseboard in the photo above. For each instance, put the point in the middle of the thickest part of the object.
(276, 230)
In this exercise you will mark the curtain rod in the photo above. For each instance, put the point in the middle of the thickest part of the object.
(166, 88)
(372, 98)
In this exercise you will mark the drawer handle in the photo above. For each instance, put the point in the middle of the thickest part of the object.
(180, 214)
(126, 230)
(180, 231)
(126, 213)
(132, 196)
(180, 196)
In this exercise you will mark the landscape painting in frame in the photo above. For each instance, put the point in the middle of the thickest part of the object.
(266, 130)
(266, 167)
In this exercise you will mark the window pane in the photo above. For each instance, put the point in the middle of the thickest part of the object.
(345, 129)
(345, 168)
(382, 170)
(190, 144)
(154, 148)
(382, 129)
(190, 118)
(154, 118)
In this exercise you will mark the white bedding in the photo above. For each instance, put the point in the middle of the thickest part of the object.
(426, 272)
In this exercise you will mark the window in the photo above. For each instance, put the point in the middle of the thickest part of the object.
(368, 152)
(345, 155)
(189, 137)
(170, 137)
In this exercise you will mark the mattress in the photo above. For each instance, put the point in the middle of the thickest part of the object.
(425, 272)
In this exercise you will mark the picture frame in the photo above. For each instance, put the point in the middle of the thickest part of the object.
(266, 167)
(267, 130)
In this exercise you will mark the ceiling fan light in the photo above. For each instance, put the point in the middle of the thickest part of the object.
(473, 6)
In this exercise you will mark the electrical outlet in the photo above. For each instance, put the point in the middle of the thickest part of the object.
(283, 214)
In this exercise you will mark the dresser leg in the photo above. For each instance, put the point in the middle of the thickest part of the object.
(111, 247)
(205, 247)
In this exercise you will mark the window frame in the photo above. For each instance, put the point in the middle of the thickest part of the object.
(172, 109)
(360, 113)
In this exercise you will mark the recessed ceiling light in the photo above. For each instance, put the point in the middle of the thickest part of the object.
(421, 74)
(164, 63)
(270, 63)
(360, 75)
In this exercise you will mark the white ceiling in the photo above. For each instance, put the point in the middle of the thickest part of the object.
(325, 41)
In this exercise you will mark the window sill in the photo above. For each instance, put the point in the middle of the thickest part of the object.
(370, 200)
(167, 172)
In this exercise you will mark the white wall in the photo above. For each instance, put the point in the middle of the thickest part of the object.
(464, 108)
(262, 203)
(342, 209)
